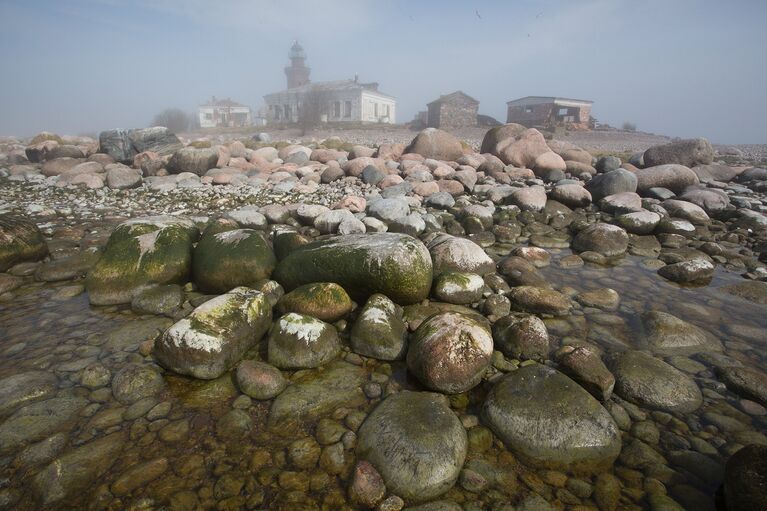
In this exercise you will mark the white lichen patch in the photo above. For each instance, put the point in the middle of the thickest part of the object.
(232, 237)
(183, 335)
(146, 244)
(376, 315)
(459, 253)
(304, 328)
(465, 283)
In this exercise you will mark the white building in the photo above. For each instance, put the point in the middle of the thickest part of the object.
(224, 113)
(332, 102)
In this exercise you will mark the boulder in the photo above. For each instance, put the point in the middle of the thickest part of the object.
(135, 382)
(494, 136)
(388, 210)
(379, 331)
(610, 183)
(224, 260)
(449, 352)
(141, 253)
(686, 211)
(458, 288)
(583, 364)
(745, 479)
(539, 300)
(120, 177)
(297, 341)
(436, 144)
(550, 421)
(528, 198)
(396, 265)
(20, 241)
(215, 336)
(619, 203)
(691, 152)
(746, 382)
(259, 380)
(450, 253)
(522, 336)
(522, 150)
(122, 145)
(713, 202)
(24, 388)
(416, 443)
(641, 222)
(694, 271)
(648, 381)
(571, 195)
(608, 240)
(672, 176)
(190, 159)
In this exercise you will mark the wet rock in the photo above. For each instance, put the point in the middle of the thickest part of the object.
(95, 376)
(323, 300)
(379, 331)
(69, 267)
(136, 381)
(539, 300)
(745, 479)
(688, 272)
(751, 290)
(37, 421)
(141, 253)
(225, 260)
(77, 469)
(608, 240)
(550, 421)
(458, 288)
(673, 177)
(571, 195)
(611, 183)
(318, 392)
(396, 265)
(367, 487)
(416, 443)
(450, 253)
(158, 300)
(20, 241)
(640, 222)
(745, 382)
(665, 334)
(531, 198)
(259, 380)
(648, 381)
(234, 424)
(624, 202)
(585, 366)
(522, 336)
(191, 159)
(24, 388)
(299, 341)
(449, 352)
(690, 152)
(42, 452)
(436, 144)
(686, 211)
(712, 202)
(215, 335)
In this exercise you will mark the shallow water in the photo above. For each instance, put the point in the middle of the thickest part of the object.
(212, 466)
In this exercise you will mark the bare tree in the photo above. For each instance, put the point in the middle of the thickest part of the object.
(174, 119)
(313, 107)
(629, 126)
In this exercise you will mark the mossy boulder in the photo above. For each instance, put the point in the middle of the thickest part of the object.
(237, 257)
(216, 335)
(550, 421)
(416, 443)
(286, 241)
(323, 300)
(20, 241)
(450, 352)
(450, 253)
(142, 253)
(297, 341)
(379, 331)
(396, 265)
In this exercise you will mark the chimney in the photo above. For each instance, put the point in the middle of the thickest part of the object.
(356, 77)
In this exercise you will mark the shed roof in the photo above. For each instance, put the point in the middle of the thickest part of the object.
(223, 102)
(335, 85)
(453, 95)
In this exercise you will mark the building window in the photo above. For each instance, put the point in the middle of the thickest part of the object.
(288, 114)
(276, 109)
(386, 110)
(375, 110)
(528, 109)
(347, 109)
(336, 109)
(209, 116)
(563, 111)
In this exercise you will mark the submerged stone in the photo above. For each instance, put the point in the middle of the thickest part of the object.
(550, 421)
(416, 443)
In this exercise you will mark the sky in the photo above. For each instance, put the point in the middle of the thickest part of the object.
(682, 68)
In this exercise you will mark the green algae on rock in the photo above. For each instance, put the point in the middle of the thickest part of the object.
(396, 265)
(224, 260)
(326, 301)
(380, 331)
(216, 335)
(141, 253)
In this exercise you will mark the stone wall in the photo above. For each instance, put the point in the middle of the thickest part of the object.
(546, 115)
(454, 113)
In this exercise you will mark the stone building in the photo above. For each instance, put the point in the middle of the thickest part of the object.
(223, 113)
(454, 110)
(340, 101)
(549, 112)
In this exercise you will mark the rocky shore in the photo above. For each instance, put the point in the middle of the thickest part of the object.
(511, 324)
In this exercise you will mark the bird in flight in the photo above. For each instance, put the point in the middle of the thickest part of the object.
(476, 11)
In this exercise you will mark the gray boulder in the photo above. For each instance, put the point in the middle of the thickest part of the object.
(667, 335)
(690, 152)
(379, 331)
(190, 159)
(450, 253)
(22, 241)
(608, 240)
(297, 341)
(610, 183)
(123, 145)
(436, 144)
(672, 176)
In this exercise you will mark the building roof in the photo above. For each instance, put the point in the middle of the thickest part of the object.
(296, 51)
(453, 95)
(223, 103)
(336, 85)
(546, 99)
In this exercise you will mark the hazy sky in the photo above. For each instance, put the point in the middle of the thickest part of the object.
(675, 67)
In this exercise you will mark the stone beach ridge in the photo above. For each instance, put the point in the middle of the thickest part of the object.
(320, 324)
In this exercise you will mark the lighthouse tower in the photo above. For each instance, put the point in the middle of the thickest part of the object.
(297, 73)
